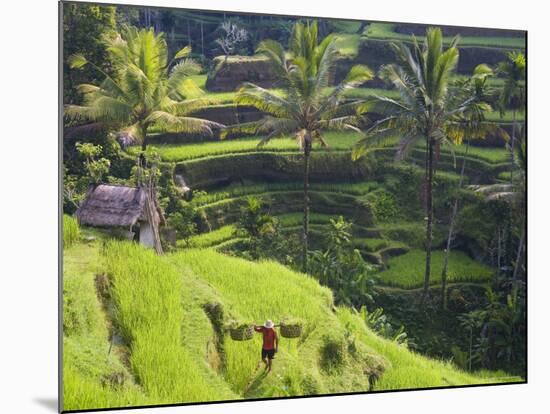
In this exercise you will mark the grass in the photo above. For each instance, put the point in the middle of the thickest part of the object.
(224, 234)
(86, 360)
(407, 271)
(408, 370)
(347, 44)
(150, 318)
(172, 352)
(221, 97)
(242, 284)
(492, 155)
(345, 26)
(385, 31)
(182, 152)
(507, 117)
(297, 219)
(71, 231)
(337, 141)
(410, 233)
(376, 244)
(235, 191)
(213, 237)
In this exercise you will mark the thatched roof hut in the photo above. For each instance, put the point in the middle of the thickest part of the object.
(116, 206)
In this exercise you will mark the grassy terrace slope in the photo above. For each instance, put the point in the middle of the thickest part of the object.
(350, 47)
(337, 141)
(385, 31)
(406, 271)
(182, 152)
(174, 348)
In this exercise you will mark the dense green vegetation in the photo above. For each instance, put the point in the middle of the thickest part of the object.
(330, 195)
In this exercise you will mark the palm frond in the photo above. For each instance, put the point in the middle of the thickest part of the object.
(406, 145)
(263, 99)
(246, 128)
(276, 54)
(181, 72)
(173, 123)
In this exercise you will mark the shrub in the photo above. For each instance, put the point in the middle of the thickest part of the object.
(333, 352)
(383, 205)
(71, 231)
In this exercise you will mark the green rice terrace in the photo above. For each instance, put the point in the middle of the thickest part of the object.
(289, 177)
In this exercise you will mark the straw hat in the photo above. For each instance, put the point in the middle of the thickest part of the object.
(268, 324)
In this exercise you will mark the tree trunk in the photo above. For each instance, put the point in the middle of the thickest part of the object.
(470, 358)
(202, 42)
(144, 139)
(451, 234)
(499, 251)
(518, 256)
(189, 33)
(143, 147)
(513, 145)
(429, 217)
(307, 150)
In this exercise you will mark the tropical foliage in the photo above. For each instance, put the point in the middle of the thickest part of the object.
(284, 191)
(146, 90)
(425, 110)
(304, 71)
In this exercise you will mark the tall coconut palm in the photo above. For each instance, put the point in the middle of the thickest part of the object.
(513, 93)
(307, 107)
(514, 193)
(473, 119)
(145, 89)
(425, 110)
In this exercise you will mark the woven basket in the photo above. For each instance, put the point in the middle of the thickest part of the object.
(243, 333)
(291, 331)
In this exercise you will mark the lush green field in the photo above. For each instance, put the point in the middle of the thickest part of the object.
(336, 141)
(148, 297)
(214, 237)
(181, 152)
(87, 362)
(345, 26)
(173, 348)
(492, 155)
(71, 231)
(385, 31)
(407, 271)
(508, 116)
(347, 44)
(255, 189)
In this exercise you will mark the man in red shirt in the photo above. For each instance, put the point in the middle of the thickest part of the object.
(270, 343)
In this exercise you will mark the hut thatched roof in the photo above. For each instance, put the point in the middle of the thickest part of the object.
(109, 205)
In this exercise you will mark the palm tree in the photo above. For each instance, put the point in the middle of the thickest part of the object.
(514, 193)
(145, 90)
(474, 121)
(513, 93)
(425, 110)
(307, 107)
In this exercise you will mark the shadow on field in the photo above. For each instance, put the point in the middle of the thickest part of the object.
(49, 403)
